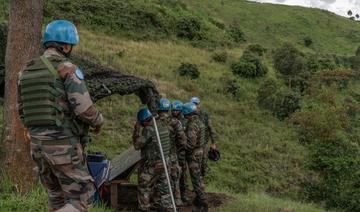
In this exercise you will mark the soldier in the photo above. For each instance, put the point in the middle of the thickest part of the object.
(178, 141)
(176, 108)
(56, 107)
(151, 171)
(210, 133)
(195, 133)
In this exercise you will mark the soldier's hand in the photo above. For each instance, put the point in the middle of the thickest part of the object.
(96, 130)
(213, 146)
(137, 125)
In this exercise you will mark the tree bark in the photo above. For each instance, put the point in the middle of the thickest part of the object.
(23, 43)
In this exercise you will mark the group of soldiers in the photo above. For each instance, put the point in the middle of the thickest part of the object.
(56, 108)
(183, 137)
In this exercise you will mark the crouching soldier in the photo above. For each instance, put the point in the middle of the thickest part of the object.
(55, 105)
(152, 171)
(195, 133)
(178, 141)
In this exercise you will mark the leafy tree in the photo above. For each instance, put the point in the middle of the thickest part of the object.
(249, 66)
(350, 13)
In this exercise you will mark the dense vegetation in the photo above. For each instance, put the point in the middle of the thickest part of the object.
(281, 85)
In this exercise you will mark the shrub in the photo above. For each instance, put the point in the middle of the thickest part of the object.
(232, 88)
(220, 57)
(281, 101)
(288, 60)
(189, 70)
(256, 49)
(188, 27)
(236, 33)
(249, 66)
(308, 41)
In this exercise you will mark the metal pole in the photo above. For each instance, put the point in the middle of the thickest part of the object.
(164, 163)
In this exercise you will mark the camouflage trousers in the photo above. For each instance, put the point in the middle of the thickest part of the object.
(194, 159)
(152, 179)
(183, 175)
(204, 162)
(175, 172)
(64, 174)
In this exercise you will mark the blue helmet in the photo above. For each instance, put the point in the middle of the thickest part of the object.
(176, 105)
(164, 105)
(195, 100)
(189, 108)
(61, 31)
(144, 114)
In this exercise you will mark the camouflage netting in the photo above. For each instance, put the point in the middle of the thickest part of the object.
(101, 81)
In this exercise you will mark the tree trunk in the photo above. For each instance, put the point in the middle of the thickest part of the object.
(23, 43)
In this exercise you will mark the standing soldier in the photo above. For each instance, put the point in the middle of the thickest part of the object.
(176, 108)
(210, 133)
(152, 170)
(56, 107)
(178, 141)
(195, 133)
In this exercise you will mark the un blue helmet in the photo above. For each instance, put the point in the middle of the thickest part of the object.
(61, 31)
(144, 114)
(164, 105)
(189, 108)
(176, 105)
(195, 100)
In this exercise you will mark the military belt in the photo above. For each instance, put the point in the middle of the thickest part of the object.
(52, 142)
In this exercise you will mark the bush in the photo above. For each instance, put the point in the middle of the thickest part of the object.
(236, 33)
(233, 88)
(256, 49)
(281, 101)
(308, 41)
(249, 66)
(188, 27)
(220, 57)
(288, 60)
(189, 70)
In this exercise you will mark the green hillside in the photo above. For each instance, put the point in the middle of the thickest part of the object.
(265, 164)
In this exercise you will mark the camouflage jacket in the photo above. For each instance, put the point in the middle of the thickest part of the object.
(210, 130)
(195, 133)
(77, 100)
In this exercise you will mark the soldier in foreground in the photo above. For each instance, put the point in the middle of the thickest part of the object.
(152, 171)
(210, 134)
(176, 113)
(195, 133)
(56, 107)
(178, 141)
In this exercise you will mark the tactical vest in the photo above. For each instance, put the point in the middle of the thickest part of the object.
(152, 151)
(205, 118)
(41, 90)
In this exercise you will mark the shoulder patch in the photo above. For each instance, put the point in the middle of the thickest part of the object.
(79, 74)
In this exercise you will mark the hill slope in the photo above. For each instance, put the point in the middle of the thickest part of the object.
(261, 154)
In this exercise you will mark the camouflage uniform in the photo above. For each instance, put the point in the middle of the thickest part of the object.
(181, 153)
(195, 132)
(151, 172)
(178, 142)
(56, 148)
(210, 134)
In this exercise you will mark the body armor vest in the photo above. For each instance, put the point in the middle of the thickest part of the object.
(152, 151)
(41, 90)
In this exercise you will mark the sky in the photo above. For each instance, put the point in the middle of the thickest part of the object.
(340, 7)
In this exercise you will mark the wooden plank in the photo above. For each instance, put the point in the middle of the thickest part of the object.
(123, 162)
(114, 196)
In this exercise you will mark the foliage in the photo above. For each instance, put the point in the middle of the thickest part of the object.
(220, 56)
(279, 100)
(308, 41)
(249, 66)
(288, 60)
(256, 49)
(328, 125)
(236, 33)
(188, 27)
(189, 70)
(3, 32)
